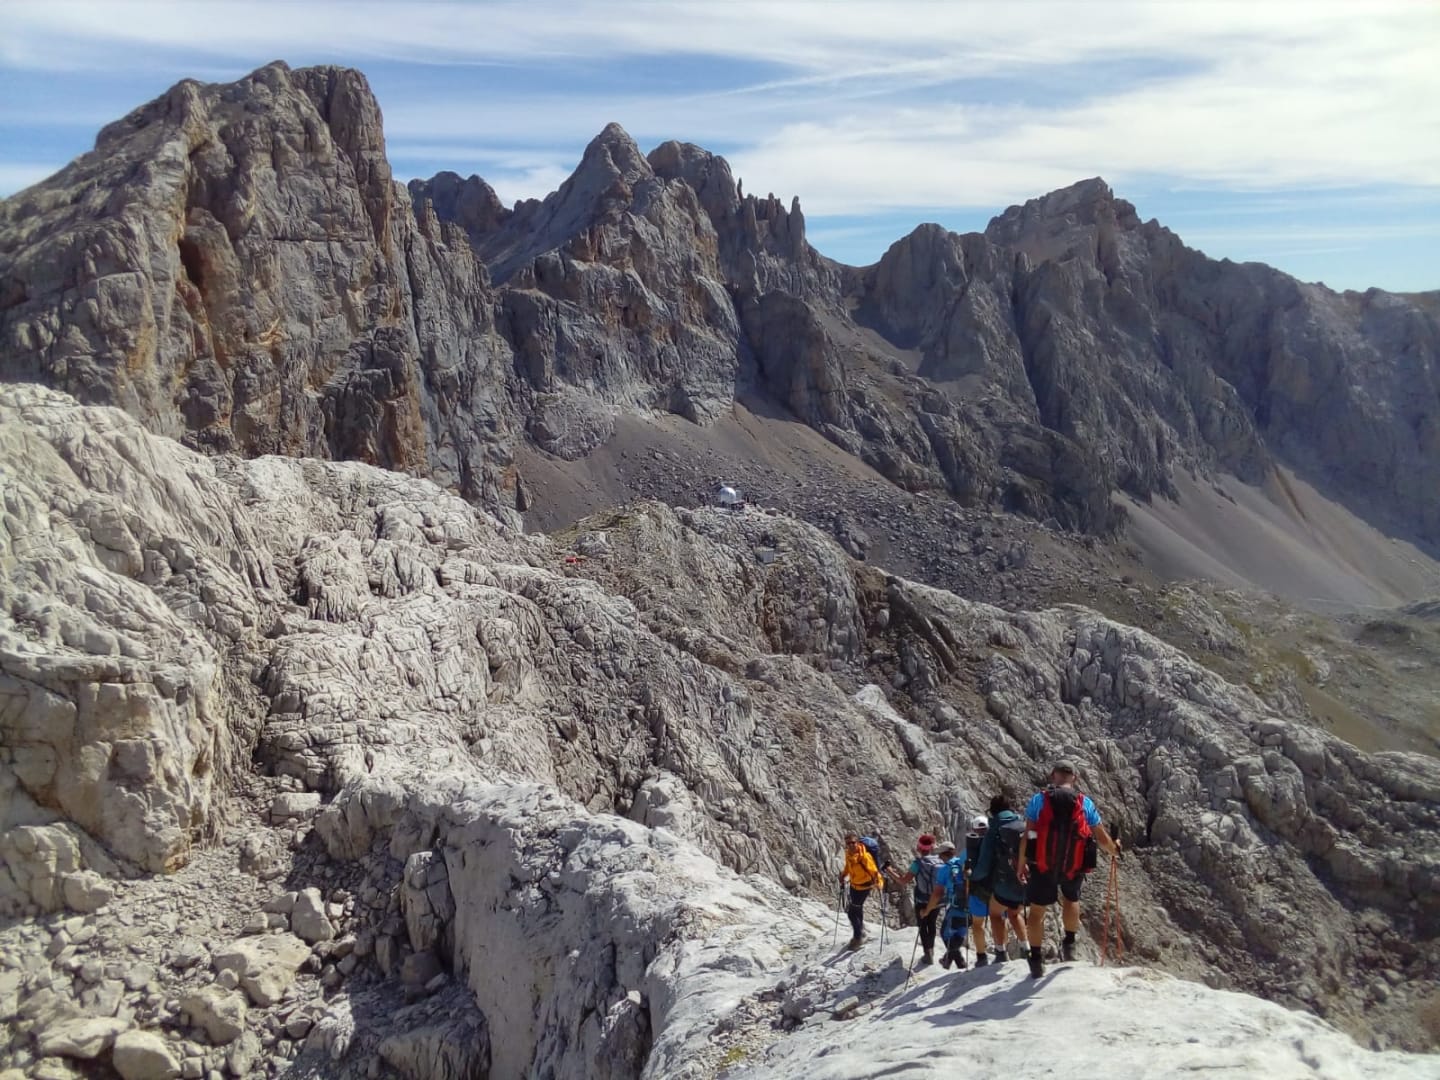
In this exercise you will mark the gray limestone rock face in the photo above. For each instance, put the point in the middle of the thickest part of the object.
(234, 265)
(522, 759)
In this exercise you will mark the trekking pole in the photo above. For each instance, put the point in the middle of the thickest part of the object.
(909, 973)
(1112, 904)
(883, 920)
(839, 907)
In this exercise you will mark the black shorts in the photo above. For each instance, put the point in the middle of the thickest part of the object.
(1045, 889)
(1009, 905)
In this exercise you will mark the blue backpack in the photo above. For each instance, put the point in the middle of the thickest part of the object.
(955, 891)
(872, 845)
(956, 924)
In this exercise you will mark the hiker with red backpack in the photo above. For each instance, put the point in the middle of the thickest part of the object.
(863, 876)
(1062, 826)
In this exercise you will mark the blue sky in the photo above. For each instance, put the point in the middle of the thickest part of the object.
(1305, 135)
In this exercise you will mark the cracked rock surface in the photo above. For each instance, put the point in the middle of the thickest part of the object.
(311, 766)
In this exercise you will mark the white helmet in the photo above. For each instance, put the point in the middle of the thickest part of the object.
(979, 824)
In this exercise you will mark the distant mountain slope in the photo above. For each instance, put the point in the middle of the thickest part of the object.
(234, 264)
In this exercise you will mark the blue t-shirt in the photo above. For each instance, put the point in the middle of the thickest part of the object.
(1037, 802)
(951, 878)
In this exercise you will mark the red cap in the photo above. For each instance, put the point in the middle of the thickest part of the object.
(926, 842)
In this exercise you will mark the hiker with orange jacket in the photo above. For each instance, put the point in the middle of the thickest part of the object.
(863, 875)
(1060, 823)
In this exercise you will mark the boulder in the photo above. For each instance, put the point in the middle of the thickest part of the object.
(264, 966)
(144, 1055)
(86, 891)
(419, 968)
(308, 919)
(220, 1012)
(294, 805)
(83, 1037)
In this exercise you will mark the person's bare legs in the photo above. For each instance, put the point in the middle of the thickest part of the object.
(1017, 924)
(1070, 912)
(997, 925)
(1036, 925)
(977, 927)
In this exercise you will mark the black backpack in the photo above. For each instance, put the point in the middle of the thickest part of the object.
(1007, 829)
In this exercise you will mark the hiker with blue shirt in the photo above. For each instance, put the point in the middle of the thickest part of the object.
(950, 890)
(1061, 827)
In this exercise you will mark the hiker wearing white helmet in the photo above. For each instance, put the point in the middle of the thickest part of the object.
(979, 906)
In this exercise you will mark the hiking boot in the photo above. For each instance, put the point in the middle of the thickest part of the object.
(1067, 951)
(927, 958)
(1000, 956)
(982, 959)
(946, 961)
(1037, 965)
(854, 943)
(960, 962)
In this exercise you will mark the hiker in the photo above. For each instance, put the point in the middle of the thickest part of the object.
(950, 890)
(863, 876)
(921, 875)
(978, 908)
(993, 879)
(1060, 824)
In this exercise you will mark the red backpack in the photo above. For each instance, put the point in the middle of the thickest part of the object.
(1061, 833)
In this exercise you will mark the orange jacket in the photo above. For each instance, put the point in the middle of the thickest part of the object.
(860, 868)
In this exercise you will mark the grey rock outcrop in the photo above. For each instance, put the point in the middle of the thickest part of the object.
(234, 265)
(250, 289)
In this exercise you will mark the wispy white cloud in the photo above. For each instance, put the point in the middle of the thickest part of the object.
(859, 108)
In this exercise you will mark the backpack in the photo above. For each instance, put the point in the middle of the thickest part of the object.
(925, 867)
(872, 845)
(995, 867)
(957, 894)
(1061, 833)
(972, 851)
(1007, 829)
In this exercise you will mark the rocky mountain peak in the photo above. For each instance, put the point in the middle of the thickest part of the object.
(1047, 226)
(344, 100)
(612, 154)
(708, 175)
(470, 203)
(1104, 351)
